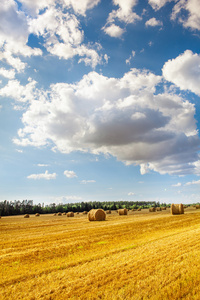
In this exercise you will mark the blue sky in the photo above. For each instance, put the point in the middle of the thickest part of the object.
(100, 100)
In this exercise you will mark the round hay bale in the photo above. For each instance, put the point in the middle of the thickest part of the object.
(108, 211)
(85, 212)
(197, 206)
(70, 214)
(64, 213)
(77, 213)
(139, 209)
(177, 209)
(54, 214)
(96, 215)
(134, 209)
(158, 208)
(163, 208)
(152, 209)
(59, 214)
(37, 214)
(26, 216)
(122, 211)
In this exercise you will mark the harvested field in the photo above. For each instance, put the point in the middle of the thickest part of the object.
(139, 256)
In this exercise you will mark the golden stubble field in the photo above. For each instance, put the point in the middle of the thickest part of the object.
(139, 256)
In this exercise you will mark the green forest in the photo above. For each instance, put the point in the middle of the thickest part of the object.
(18, 207)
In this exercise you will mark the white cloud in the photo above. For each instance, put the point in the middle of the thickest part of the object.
(66, 199)
(7, 73)
(34, 7)
(113, 30)
(177, 184)
(14, 32)
(45, 176)
(63, 36)
(123, 117)
(157, 4)
(19, 150)
(70, 174)
(42, 165)
(131, 194)
(20, 93)
(188, 13)
(87, 181)
(193, 182)
(123, 14)
(128, 61)
(81, 6)
(184, 71)
(153, 22)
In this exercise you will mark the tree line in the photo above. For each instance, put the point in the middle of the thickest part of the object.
(18, 207)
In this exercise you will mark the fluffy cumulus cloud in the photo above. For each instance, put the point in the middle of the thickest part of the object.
(184, 71)
(113, 30)
(153, 22)
(81, 6)
(123, 117)
(46, 176)
(63, 36)
(70, 174)
(48, 20)
(187, 13)
(34, 7)
(7, 73)
(14, 32)
(13, 89)
(157, 4)
(123, 14)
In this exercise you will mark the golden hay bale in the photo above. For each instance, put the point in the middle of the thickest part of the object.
(77, 213)
(85, 212)
(64, 213)
(26, 216)
(152, 209)
(96, 215)
(122, 211)
(163, 208)
(197, 206)
(108, 211)
(59, 214)
(54, 214)
(158, 208)
(70, 214)
(139, 209)
(177, 209)
(134, 209)
(37, 215)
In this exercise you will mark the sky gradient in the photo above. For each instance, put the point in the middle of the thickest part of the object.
(100, 100)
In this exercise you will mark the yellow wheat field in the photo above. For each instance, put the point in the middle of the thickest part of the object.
(137, 256)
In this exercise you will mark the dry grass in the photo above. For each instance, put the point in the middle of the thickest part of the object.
(142, 256)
